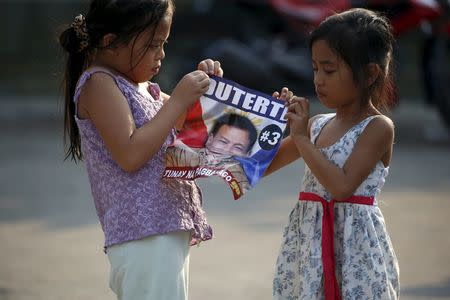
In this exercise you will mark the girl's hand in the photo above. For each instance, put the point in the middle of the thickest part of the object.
(191, 87)
(285, 95)
(298, 116)
(211, 67)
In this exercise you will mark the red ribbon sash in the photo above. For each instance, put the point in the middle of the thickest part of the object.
(331, 286)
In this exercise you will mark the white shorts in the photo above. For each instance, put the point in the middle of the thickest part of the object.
(155, 267)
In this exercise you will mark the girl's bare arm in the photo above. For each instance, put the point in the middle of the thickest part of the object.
(208, 66)
(287, 154)
(374, 144)
(102, 102)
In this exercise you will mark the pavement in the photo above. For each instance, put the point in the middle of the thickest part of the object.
(51, 242)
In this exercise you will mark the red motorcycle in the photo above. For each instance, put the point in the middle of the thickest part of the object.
(270, 39)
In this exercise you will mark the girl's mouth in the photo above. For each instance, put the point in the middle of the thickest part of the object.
(156, 69)
(320, 94)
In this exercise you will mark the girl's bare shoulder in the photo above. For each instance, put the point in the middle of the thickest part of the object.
(381, 128)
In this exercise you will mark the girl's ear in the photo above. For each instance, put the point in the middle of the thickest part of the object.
(373, 72)
(107, 40)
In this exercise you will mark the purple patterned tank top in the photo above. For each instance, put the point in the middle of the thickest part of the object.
(135, 205)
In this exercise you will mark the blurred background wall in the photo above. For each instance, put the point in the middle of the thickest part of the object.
(29, 53)
(32, 61)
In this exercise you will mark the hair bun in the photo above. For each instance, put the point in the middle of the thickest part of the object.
(75, 38)
(80, 28)
(69, 41)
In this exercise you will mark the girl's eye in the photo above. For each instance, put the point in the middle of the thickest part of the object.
(159, 45)
(329, 72)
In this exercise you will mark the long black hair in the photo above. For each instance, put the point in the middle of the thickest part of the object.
(360, 37)
(125, 19)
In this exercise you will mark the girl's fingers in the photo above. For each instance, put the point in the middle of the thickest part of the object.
(305, 104)
(217, 69)
(285, 95)
(204, 82)
(291, 107)
(289, 96)
(290, 116)
(299, 108)
(200, 74)
(203, 66)
(211, 69)
(295, 107)
(200, 79)
(284, 92)
(207, 66)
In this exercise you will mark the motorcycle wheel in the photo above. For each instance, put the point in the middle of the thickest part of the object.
(436, 63)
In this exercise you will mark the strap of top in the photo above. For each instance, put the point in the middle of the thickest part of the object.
(320, 121)
(123, 84)
(87, 75)
(359, 128)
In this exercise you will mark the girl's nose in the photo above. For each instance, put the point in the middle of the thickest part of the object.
(162, 54)
(318, 79)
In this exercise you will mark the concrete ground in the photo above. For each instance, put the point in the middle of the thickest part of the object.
(51, 242)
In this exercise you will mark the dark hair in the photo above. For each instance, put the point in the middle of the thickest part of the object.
(125, 19)
(359, 37)
(237, 121)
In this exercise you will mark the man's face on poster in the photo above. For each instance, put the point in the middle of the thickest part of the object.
(229, 140)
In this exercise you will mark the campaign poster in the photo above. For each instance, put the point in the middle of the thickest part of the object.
(232, 132)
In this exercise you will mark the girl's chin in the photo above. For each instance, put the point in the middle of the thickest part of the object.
(151, 75)
(321, 97)
(325, 103)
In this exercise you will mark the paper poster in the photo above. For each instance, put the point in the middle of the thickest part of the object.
(232, 132)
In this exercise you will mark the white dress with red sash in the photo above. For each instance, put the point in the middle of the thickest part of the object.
(350, 258)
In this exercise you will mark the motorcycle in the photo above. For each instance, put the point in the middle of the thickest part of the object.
(265, 41)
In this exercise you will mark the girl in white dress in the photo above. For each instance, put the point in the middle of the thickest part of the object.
(336, 245)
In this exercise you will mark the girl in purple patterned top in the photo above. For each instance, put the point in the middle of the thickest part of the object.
(120, 124)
